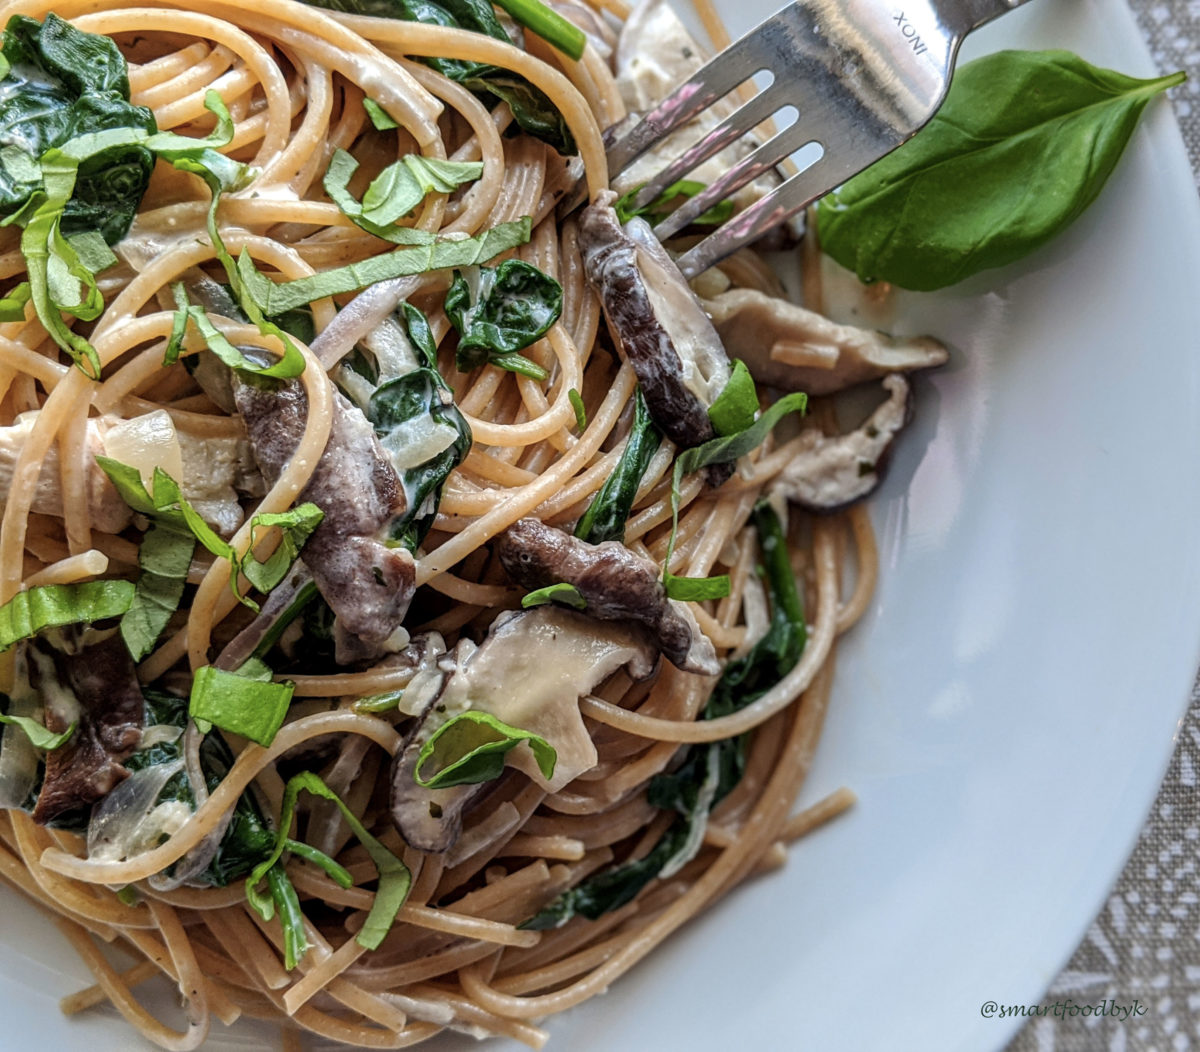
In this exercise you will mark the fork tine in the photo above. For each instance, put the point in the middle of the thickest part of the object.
(729, 131)
(750, 167)
(708, 85)
(770, 211)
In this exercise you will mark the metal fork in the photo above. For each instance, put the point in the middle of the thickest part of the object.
(864, 76)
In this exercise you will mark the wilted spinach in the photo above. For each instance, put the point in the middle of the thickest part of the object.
(398, 409)
(248, 840)
(708, 772)
(499, 311)
(610, 509)
(1022, 145)
(61, 83)
(533, 111)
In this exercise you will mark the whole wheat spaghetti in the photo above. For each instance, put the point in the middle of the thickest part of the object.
(459, 953)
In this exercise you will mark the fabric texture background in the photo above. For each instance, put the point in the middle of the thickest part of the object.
(1145, 945)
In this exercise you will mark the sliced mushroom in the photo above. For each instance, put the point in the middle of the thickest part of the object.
(96, 687)
(616, 583)
(655, 54)
(831, 472)
(794, 349)
(657, 323)
(530, 673)
(367, 584)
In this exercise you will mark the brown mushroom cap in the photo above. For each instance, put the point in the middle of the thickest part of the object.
(616, 583)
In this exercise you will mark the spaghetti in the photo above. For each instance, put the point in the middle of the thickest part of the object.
(294, 80)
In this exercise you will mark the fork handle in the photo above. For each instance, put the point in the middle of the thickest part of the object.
(965, 15)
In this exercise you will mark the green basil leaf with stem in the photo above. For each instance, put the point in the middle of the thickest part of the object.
(1022, 145)
(395, 880)
(240, 705)
(612, 505)
(55, 605)
(39, 737)
(471, 747)
(276, 298)
(498, 311)
(564, 593)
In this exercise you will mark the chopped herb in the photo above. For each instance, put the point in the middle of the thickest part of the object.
(470, 748)
(564, 593)
(250, 707)
(39, 737)
(379, 116)
(664, 204)
(55, 605)
(580, 410)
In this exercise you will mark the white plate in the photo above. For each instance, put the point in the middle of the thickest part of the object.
(1007, 708)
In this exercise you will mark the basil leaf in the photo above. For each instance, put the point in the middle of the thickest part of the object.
(163, 558)
(248, 707)
(39, 737)
(612, 505)
(576, 400)
(291, 917)
(532, 109)
(735, 407)
(376, 703)
(664, 204)
(470, 748)
(379, 116)
(562, 592)
(55, 605)
(296, 526)
(396, 191)
(272, 298)
(696, 589)
(336, 872)
(499, 311)
(291, 364)
(57, 84)
(1022, 145)
(395, 879)
(12, 306)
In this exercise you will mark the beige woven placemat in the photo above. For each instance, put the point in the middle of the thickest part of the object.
(1143, 952)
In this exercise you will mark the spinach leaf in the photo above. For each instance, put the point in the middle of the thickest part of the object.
(412, 413)
(1022, 145)
(470, 748)
(61, 83)
(708, 772)
(610, 509)
(736, 406)
(498, 311)
(247, 839)
(532, 110)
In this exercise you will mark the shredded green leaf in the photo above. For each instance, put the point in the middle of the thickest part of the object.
(664, 204)
(272, 298)
(735, 407)
(471, 747)
(38, 735)
(54, 605)
(394, 876)
(12, 306)
(562, 592)
(235, 703)
(696, 589)
(379, 116)
(548, 24)
(580, 410)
